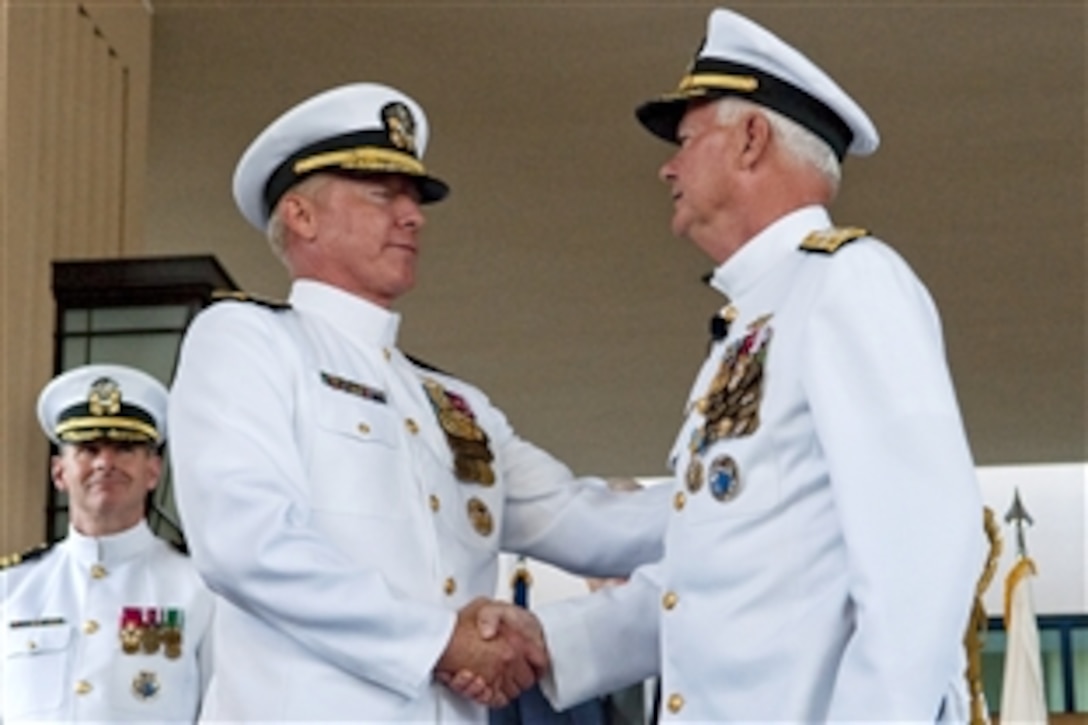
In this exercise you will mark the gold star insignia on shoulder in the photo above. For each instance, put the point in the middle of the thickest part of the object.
(829, 241)
(239, 296)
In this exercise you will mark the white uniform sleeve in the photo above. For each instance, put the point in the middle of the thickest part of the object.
(579, 525)
(604, 641)
(903, 481)
(242, 493)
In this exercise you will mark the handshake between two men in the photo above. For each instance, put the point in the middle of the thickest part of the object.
(496, 652)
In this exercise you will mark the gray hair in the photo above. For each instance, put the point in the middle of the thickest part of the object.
(799, 143)
(276, 230)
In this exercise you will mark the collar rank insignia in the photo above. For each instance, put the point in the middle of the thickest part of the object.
(829, 241)
(471, 447)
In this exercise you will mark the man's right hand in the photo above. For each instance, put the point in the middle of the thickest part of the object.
(495, 653)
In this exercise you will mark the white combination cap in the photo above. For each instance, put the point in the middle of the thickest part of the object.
(103, 402)
(741, 58)
(361, 129)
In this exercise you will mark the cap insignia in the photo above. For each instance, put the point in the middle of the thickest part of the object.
(104, 397)
(829, 241)
(400, 126)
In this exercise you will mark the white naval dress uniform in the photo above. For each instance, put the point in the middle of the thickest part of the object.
(319, 498)
(61, 613)
(824, 567)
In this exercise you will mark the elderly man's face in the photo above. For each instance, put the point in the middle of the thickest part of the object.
(702, 177)
(365, 235)
(106, 482)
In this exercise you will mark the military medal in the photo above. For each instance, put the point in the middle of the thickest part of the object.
(723, 479)
(131, 630)
(145, 685)
(731, 404)
(172, 626)
(480, 517)
(469, 443)
(151, 634)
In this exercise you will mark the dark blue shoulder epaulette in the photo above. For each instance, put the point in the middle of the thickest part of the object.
(239, 296)
(831, 240)
(34, 552)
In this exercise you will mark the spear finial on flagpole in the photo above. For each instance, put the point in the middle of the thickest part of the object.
(1018, 514)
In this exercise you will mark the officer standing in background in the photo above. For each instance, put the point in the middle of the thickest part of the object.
(348, 503)
(111, 624)
(825, 535)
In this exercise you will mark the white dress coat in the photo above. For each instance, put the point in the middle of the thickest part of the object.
(62, 658)
(832, 576)
(319, 498)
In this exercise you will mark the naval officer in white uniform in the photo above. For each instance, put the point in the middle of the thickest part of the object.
(826, 528)
(112, 623)
(346, 502)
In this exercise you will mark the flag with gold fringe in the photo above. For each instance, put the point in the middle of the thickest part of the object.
(1023, 698)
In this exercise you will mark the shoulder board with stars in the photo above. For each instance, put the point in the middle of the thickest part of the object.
(6, 562)
(237, 296)
(828, 241)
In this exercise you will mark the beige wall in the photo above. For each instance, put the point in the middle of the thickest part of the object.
(74, 84)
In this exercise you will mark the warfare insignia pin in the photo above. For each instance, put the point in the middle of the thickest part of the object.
(723, 479)
(104, 397)
(145, 685)
(400, 126)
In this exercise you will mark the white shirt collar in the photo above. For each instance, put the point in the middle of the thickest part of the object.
(761, 253)
(355, 317)
(108, 550)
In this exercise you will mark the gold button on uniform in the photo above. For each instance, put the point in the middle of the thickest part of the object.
(98, 571)
(669, 600)
(90, 626)
(679, 500)
(363, 428)
(676, 702)
(435, 503)
(411, 425)
(450, 586)
(83, 687)
(388, 355)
